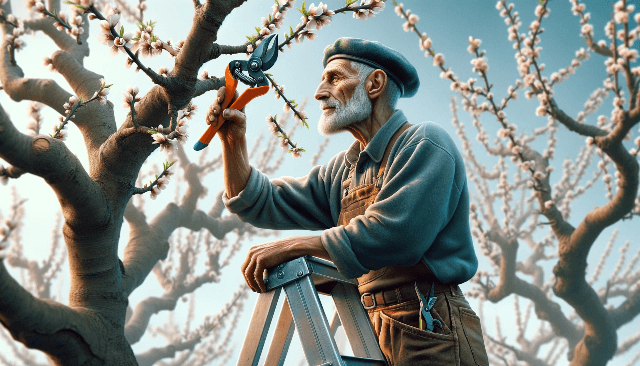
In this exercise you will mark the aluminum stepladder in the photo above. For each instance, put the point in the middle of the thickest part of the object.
(302, 279)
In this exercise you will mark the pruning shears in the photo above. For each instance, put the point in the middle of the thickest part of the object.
(262, 59)
(425, 306)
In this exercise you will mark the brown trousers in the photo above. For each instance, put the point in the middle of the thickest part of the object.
(458, 343)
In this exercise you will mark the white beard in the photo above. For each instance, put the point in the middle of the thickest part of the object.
(334, 120)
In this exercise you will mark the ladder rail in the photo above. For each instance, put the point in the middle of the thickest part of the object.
(302, 279)
(281, 337)
(258, 328)
(312, 325)
(355, 322)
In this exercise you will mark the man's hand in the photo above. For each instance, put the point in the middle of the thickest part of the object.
(234, 145)
(235, 125)
(267, 255)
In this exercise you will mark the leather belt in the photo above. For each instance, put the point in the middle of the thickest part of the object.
(405, 293)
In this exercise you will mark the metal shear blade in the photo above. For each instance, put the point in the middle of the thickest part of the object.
(425, 306)
(262, 59)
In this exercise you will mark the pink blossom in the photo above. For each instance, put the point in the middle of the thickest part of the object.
(587, 29)
(39, 7)
(541, 111)
(479, 65)
(398, 9)
(473, 45)
(438, 59)
(299, 115)
(162, 183)
(578, 8)
(540, 10)
(155, 191)
(181, 136)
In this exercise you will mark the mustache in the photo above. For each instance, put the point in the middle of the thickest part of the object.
(331, 103)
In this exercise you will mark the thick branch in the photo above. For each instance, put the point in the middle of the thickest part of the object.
(149, 243)
(46, 325)
(548, 310)
(571, 124)
(137, 325)
(95, 121)
(154, 355)
(220, 49)
(63, 40)
(144, 249)
(19, 88)
(203, 86)
(204, 32)
(628, 310)
(522, 356)
(11, 172)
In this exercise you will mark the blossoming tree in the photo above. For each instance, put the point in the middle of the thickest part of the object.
(98, 326)
(589, 331)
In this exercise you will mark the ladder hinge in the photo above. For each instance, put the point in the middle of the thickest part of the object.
(286, 273)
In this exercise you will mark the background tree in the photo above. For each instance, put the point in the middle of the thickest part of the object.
(589, 330)
(97, 326)
(513, 339)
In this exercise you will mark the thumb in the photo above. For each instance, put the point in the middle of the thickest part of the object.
(234, 115)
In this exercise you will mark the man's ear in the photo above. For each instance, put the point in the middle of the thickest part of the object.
(375, 83)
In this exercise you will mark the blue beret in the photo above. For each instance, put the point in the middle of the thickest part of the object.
(377, 56)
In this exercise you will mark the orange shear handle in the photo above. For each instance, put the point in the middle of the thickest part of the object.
(241, 102)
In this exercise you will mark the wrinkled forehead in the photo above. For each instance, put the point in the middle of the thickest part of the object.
(339, 66)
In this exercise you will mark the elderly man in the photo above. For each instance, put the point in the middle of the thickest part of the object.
(394, 208)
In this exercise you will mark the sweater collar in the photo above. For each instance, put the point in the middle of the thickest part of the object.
(378, 144)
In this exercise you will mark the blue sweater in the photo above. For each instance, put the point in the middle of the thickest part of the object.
(421, 212)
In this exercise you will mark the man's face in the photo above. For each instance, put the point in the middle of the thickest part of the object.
(343, 98)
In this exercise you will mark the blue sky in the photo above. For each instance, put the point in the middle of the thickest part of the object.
(449, 22)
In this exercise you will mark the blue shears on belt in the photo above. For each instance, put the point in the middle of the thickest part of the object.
(425, 306)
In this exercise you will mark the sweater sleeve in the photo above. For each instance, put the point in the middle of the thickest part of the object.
(419, 196)
(290, 203)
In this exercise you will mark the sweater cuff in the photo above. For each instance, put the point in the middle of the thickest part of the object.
(247, 196)
(336, 243)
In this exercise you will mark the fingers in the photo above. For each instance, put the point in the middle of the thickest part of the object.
(215, 108)
(238, 117)
(220, 96)
(249, 277)
(258, 275)
(254, 276)
(249, 268)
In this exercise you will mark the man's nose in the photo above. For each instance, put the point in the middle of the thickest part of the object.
(322, 92)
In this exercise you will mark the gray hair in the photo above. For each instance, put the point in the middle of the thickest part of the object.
(391, 92)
